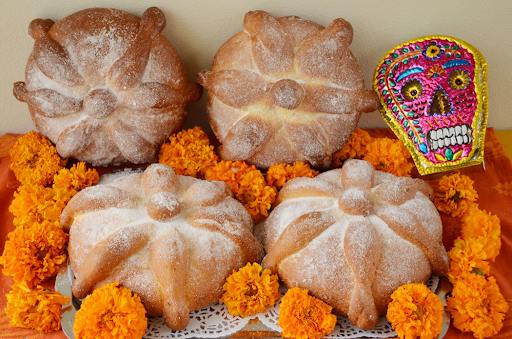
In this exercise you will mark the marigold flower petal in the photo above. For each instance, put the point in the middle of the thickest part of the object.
(455, 194)
(279, 174)
(249, 291)
(302, 316)
(34, 204)
(355, 148)
(111, 312)
(38, 309)
(467, 255)
(476, 305)
(33, 254)
(188, 152)
(68, 182)
(389, 155)
(34, 160)
(415, 312)
(485, 228)
(247, 184)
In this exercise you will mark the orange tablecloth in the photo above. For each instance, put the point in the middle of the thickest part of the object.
(498, 170)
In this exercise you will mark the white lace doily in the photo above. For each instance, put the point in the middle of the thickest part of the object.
(214, 321)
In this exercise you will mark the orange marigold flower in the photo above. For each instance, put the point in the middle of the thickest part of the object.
(256, 196)
(34, 204)
(33, 254)
(485, 227)
(389, 155)
(355, 148)
(278, 174)
(34, 160)
(229, 172)
(455, 194)
(247, 184)
(477, 305)
(302, 316)
(466, 256)
(68, 182)
(415, 312)
(111, 312)
(249, 291)
(37, 309)
(188, 152)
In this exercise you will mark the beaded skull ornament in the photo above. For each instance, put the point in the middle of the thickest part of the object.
(433, 95)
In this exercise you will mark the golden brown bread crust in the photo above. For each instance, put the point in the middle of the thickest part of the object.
(358, 236)
(285, 89)
(171, 239)
(106, 86)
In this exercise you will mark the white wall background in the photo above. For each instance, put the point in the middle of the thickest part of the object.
(197, 28)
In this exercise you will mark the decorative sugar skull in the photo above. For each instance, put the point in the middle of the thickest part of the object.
(433, 95)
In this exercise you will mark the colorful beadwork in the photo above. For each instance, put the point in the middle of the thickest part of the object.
(433, 95)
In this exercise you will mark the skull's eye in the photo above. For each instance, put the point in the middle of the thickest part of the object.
(412, 89)
(458, 79)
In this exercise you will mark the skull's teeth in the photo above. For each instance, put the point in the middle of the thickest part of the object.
(450, 136)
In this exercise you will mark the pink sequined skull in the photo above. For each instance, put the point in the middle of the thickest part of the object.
(433, 96)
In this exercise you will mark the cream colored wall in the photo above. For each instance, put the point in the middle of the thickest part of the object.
(198, 28)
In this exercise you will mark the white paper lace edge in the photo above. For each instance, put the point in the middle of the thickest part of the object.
(214, 321)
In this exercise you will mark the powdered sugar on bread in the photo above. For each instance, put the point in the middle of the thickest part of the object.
(292, 82)
(106, 86)
(343, 236)
(121, 232)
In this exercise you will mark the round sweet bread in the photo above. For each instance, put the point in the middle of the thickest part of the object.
(352, 236)
(284, 90)
(172, 239)
(105, 86)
